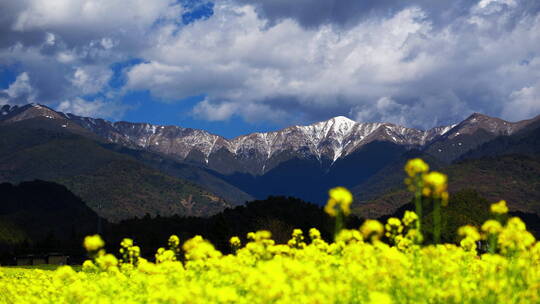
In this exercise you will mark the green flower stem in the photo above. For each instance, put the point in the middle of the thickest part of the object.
(437, 220)
(492, 239)
(418, 202)
(418, 207)
(339, 223)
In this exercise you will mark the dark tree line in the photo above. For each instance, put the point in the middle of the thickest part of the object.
(42, 217)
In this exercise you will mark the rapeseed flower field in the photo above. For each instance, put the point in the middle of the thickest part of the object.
(376, 263)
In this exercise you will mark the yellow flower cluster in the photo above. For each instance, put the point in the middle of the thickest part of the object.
(416, 166)
(348, 270)
(429, 186)
(93, 243)
(499, 208)
(470, 236)
(129, 252)
(514, 237)
(409, 218)
(491, 227)
(435, 185)
(393, 228)
(372, 230)
(235, 242)
(174, 241)
(357, 267)
(340, 201)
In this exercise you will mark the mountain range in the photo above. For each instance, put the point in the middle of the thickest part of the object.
(301, 161)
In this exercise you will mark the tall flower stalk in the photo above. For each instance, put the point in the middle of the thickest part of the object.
(416, 168)
(430, 186)
(435, 185)
(493, 227)
(338, 206)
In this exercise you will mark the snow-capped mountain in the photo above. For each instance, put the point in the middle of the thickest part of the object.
(300, 161)
(16, 113)
(257, 153)
(471, 133)
(326, 141)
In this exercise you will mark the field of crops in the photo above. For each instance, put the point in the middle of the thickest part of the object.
(376, 263)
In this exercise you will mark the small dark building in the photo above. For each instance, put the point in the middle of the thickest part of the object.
(57, 259)
(40, 259)
(23, 260)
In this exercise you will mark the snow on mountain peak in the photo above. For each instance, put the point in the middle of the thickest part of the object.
(336, 123)
(331, 139)
(342, 121)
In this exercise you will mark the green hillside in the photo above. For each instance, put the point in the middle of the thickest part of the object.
(192, 173)
(507, 167)
(514, 178)
(116, 186)
(465, 207)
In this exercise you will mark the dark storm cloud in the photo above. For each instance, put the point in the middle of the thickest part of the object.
(9, 12)
(310, 13)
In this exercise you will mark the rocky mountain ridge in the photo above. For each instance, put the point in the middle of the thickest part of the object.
(257, 153)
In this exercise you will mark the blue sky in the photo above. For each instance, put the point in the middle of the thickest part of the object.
(178, 113)
(238, 66)
(146, 108)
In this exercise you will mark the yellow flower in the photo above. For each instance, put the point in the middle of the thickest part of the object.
(93, 242)
(492, 227)
(444, 198)
(409, 218)
(165, 256)
(134, 251)
(435, 184)
(297, 233)
(65, 273)
(469, 231)
(499, 208)
(196, 248)
(468, 244)
(393, 227)
(314, 234)
(263, 235)
(174, 241)
(235, 242)
(514, 237)
(106, 261)
(416, 166)
(372, 228)
(126, 243)
(88, 266)
(348, 236)
(403, 243)
(340, 198)
(515, 223)
(393, 222)
(330, 207)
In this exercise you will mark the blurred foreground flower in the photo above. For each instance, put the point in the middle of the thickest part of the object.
(499, 208)
(416, 166)
(93, 242)
(340, 201)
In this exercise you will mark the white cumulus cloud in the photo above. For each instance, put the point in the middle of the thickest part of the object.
(19, 92)
(95, 108)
